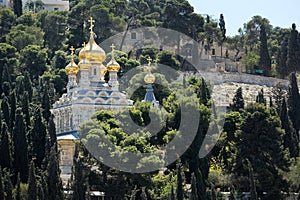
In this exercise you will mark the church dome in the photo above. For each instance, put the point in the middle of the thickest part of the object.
(113, 65)
(149, 78)
(72, 67)
(92, 51)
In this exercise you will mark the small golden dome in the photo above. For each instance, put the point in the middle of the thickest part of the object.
(113, 65)
(149, 78)
(92, 51)
(72, 68)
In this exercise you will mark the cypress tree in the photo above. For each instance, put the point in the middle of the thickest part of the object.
(293, 103)
(46, 104)
(260, 97)
(194, 188)
(20, 147)
(5, 110)
(18, 189)
(204, 92)
(28, 85)
(17, 6)
(32, 184)
(52, 131)
(8, 186)
(290, 141)
(1, 185)
(55, 189)
(172, 195)
(38, 134)
(12, 103)
(179, 192)
(292, 60)
(238, 100)
(78, 182)
(264, 59)
(25, 109)
(282, 59)
(5, 148)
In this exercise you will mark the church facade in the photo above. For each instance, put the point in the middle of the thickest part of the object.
(87, 93)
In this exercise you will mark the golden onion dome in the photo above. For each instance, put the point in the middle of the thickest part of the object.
(84, 64)
(149, 78)
(113, 65)
(72, 67)
(92, 51)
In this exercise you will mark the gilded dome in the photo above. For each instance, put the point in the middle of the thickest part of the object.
(92, 51)
(149, 78)
(72, 67)
(113, 65)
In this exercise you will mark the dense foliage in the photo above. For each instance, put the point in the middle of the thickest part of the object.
(259, 146)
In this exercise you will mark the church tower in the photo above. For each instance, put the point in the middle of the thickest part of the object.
(87, 93)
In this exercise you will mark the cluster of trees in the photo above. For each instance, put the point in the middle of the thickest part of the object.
(33, 56)
(260, 142)
(264, 47)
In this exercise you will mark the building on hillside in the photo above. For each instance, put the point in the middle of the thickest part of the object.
(87, 92)
(5, 3)
(47, 4)
(51, 4)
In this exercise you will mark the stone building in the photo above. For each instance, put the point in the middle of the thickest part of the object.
(87, 93)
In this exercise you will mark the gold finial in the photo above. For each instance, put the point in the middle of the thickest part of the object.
(83, 44)
(72, 52)
(149, 61)
(112, 49)
(92, 21)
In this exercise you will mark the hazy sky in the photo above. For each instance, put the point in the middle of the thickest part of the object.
(280, 13)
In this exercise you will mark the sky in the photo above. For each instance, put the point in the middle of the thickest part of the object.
(280, 13)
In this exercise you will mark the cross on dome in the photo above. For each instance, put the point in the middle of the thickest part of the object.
(92, 21)
(72, 51)
(149, 61)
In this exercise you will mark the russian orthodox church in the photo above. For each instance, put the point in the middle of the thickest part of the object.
(87, 93)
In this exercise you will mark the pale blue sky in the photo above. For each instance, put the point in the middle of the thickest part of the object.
(280, 13)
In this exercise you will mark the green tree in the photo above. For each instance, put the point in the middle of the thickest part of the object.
(54, 25)
(55, 190)
(292, 63)
(293, 102)
(290, 139)
(179, 191)
(20, 161)
(7, 20)
(17, 6)
(194, 188)
(21, 36)
(238, 100)
(32, 184)
(79, 184)
(264, 58)
(5, 148)
(38, 134)
(266, 155)
(36, 65)
(260, 97)
(1, 185)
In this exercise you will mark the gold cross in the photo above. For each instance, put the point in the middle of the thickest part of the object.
(149, 61)
(92, 23)
(112, 47)
(72, 51)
